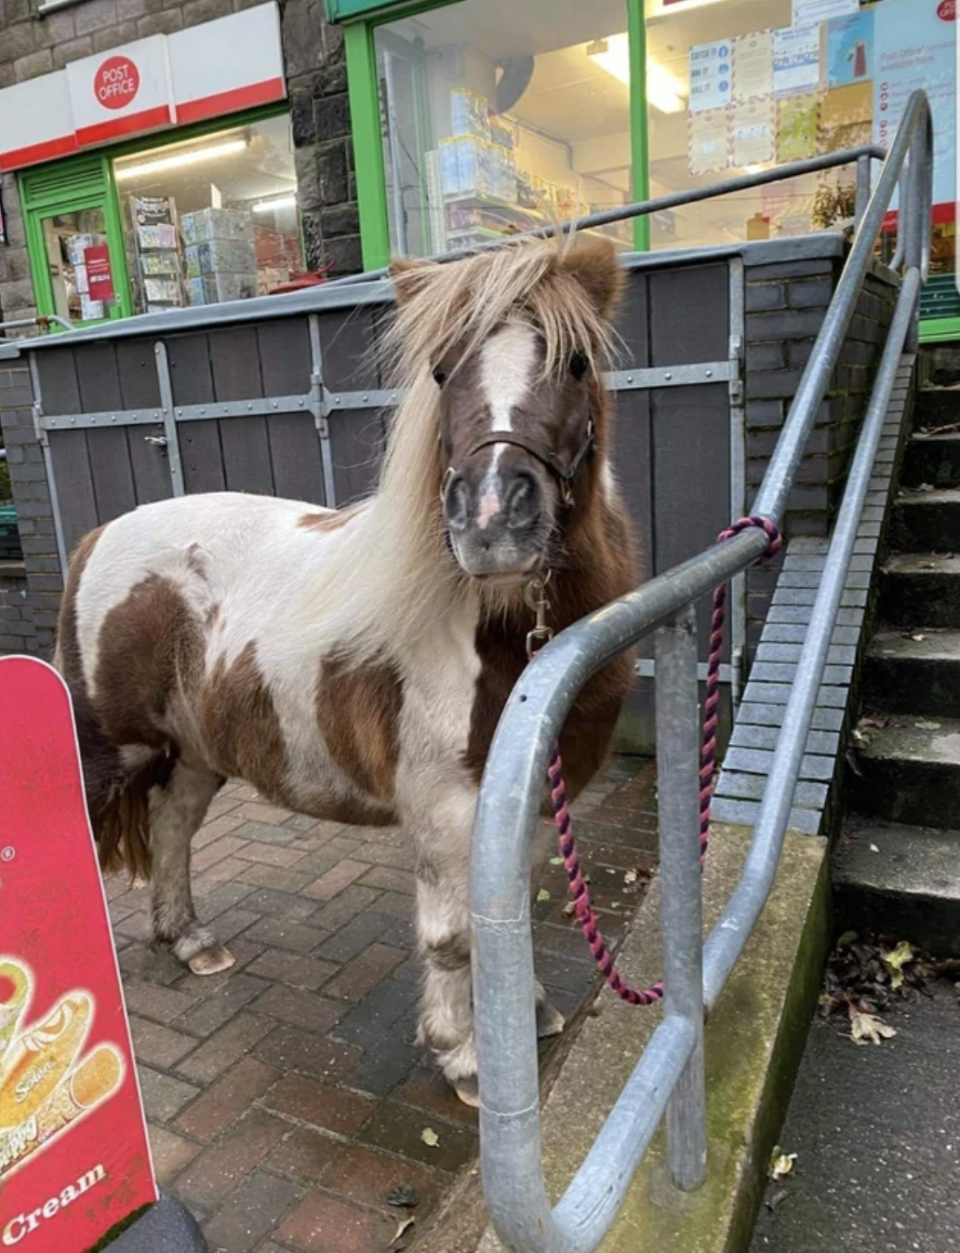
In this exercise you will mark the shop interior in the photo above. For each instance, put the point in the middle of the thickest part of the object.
(500, 116)
(211, 219)
(66, 238)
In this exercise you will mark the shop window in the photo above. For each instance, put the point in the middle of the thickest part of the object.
(70, 240)
(210, 219)
(489, 129)
(761, 84)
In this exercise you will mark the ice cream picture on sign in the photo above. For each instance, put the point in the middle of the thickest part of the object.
(116, 82)
(45, 1085)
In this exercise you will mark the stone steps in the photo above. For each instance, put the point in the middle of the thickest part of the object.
(932, 459)
(909, 772)
(927, 521)
(904, 880)
(913, 673)
(921, 590)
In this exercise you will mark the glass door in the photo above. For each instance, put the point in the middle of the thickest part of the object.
(78, 265)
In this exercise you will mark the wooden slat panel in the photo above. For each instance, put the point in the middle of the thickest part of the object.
(137, 367)
(356, 439)
(235, 362)
(284, 356)
(150, 464)
(691, 478)
(200, 451)
(98, 378)
(111, 471)
(59, 389)
(71, 468)
(633, 324)
(689, 315)
(348, 343)
(293, 440)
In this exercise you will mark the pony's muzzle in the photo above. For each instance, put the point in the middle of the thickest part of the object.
(495, 520)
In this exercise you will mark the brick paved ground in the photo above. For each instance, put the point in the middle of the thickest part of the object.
(286, 1098)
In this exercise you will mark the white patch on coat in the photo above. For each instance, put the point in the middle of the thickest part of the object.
(608, 484)
(507, 363)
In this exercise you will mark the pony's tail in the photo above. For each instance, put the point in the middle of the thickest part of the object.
(122, 827)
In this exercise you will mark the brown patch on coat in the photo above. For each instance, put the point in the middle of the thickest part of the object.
(151, 657)
(240, 726)
(329, 520)
(358, 713)
(598, 564)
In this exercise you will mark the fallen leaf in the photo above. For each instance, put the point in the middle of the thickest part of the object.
(925, 725)
(569, 909)
(556, 861)
(778, 1198)
(429, 1137)
(781, 1164)
(631, 876)
(874, 849)
(543, 895)
(848, 937)
(918, 636)
(404, 1197)
(403, 1225)
(869, 1028)
(895, 960)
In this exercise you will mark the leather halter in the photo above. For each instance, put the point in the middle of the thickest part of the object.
(564, 474)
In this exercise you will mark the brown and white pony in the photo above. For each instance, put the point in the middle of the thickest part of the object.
(353, 665)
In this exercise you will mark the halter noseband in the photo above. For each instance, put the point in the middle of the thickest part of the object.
(564, 474)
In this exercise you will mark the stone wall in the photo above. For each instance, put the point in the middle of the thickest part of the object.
(786, 304)
(317, 83)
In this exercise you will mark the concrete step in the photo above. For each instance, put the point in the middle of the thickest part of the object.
(921, 589)
(927, 521)
(910, 772)
(933, 459)
(899, 881)
(913, 674)
(936, 406)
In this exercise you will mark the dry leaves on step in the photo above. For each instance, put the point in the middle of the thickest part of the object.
(543, 895)
(866, 1028)
(429, 1137)
(781, 1164)
(403, 1225)
(404, 1197)
(895, 960)
(917, 636)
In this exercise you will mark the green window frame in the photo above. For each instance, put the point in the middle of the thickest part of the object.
(86, 182)
(359, 40)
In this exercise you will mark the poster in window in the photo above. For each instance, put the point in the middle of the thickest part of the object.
(709, 142)
(752, 133)
(797, 121)
(711, 75)
(796, 60)
(850, 49)
(916, 48)
(812, 12)
(752, 65)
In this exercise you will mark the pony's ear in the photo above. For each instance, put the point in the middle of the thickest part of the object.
(410, 277)
(593, 263)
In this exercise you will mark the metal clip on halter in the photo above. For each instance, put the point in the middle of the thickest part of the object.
(535, 594)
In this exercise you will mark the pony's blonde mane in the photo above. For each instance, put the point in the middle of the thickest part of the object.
(393, 575)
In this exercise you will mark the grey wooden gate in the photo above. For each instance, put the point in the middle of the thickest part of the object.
(286, 396)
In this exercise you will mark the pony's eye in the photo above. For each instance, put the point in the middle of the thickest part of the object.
(440, 376)
(578, 365)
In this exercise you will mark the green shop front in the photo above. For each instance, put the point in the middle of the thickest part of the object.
(482, 118)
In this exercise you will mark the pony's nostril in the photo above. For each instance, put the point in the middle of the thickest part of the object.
(457, 503)
(523, 501)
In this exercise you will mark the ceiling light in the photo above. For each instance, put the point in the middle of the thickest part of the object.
(211, 153)
(664, 90)
(278, 202)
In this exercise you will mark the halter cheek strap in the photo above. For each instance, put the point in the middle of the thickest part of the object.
(564, 474)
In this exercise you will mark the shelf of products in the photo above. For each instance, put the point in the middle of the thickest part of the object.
(157, 252)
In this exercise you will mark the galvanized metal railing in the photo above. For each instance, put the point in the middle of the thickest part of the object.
(668, 1078)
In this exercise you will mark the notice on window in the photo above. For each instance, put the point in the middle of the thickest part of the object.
(850, 49)
(915, 47)
(709, 142)
(752, 66)
(752, 133)
(797, 120)
(796, 60)
(96, 261)
(711, 75)
(811, 12)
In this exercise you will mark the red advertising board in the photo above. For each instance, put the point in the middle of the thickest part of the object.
(99, 279)
(74, 1157)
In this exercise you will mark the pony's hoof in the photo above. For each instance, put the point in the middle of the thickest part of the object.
(468, 1090)
(550, 1021)
(210, 961)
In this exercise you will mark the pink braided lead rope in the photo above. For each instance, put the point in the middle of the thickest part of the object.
(708, 760)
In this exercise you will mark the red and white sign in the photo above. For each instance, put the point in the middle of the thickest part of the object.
(208, 71)
(99, 279)
(74, 1157)
(947, 11)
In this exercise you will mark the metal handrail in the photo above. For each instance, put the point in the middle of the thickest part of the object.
(668, 1077)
